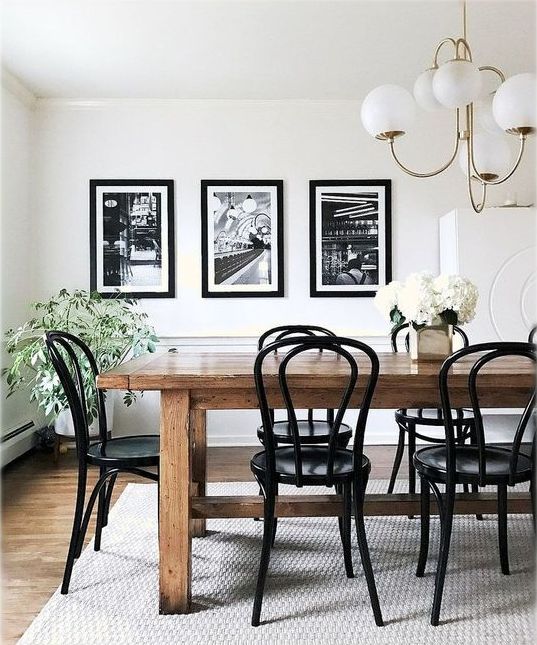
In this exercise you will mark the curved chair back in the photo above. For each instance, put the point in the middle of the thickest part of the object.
(401, 327)
(67, 353)
(295, 347)
(286, 331)
(482, 354)
(531, 336)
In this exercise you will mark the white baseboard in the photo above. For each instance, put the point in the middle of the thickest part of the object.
(13, 448)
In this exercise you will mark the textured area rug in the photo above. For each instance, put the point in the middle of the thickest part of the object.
(114, 593)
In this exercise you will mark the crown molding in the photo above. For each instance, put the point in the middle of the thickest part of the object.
(106, 103)
(16, 87)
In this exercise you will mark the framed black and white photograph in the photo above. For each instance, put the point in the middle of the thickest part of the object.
(132, 237)
(350, 237)
(242, 238)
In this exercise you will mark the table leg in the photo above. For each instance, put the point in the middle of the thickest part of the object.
(174, 522)
(199, 463)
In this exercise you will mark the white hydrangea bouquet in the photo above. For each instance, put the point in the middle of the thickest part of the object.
(425, 300)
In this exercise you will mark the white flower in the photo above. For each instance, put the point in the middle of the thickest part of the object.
(456, 294)
(425, 300)
(418, 300)
(386, 298)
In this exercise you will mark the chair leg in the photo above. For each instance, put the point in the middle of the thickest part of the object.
(398, 458)
(101, 506)
(474, 487)
(411, 451)
(446, 519)
(502, 528)
(257, 519)
(532, 497)
(275, 520)
(89, 508)
(345, 526)
(425, 525)
(75, 533)
(460, 430)
(268, 533)
(109, 490)
(359, 493)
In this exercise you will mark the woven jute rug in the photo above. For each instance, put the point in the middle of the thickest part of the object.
(114, 593)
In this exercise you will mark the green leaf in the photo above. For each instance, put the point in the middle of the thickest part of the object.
(449, 317)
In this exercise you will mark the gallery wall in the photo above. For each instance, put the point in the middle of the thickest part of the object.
(193, 140)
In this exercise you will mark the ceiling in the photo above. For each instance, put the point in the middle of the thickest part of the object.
(250, 49)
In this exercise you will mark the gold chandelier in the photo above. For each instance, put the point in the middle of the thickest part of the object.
(389, 110)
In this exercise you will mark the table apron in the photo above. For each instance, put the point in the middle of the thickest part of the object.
(388, 399)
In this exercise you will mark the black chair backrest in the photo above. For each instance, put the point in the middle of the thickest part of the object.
(66, 353)
(296, 346)
(531, 336)
(286, 331)
(399, 328)
(483, 354)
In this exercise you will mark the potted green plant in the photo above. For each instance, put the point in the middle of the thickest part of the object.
(113, 328)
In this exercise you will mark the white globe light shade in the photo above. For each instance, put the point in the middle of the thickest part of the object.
(423, 91)
(249, 204)
(457, 83)
(492, 155)
(215, 203)
(388, 111)
(484, 117)
(514, 103)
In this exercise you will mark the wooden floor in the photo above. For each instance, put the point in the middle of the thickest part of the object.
(37, 510)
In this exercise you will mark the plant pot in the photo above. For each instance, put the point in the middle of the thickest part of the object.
(431, 343)
(64, 426)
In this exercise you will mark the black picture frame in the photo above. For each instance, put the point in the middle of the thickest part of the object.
(210, 288)
(156, 223)
(353, 205)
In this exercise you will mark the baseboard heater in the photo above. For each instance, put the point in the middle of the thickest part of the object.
(17, 431)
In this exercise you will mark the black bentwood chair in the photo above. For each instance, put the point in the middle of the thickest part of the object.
(482, 464)
(409, 419)
(112, 456)
(531, 336)
(310, 430)
(316, 465)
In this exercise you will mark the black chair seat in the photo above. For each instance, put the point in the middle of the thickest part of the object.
(314, 462)
(309, 431)
(125, 452)
(432, 416)
(431, 462)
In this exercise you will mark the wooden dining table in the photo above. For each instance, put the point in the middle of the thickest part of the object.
(192, 382)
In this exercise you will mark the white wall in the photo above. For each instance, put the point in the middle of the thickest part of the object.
(192, 140)
(17, 236)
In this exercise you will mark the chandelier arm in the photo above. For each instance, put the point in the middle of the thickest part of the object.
(463, 41)
(439, 47)
(495, 182)
(471, 160)
(477, 206)
(448, 163)
(490, 68)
